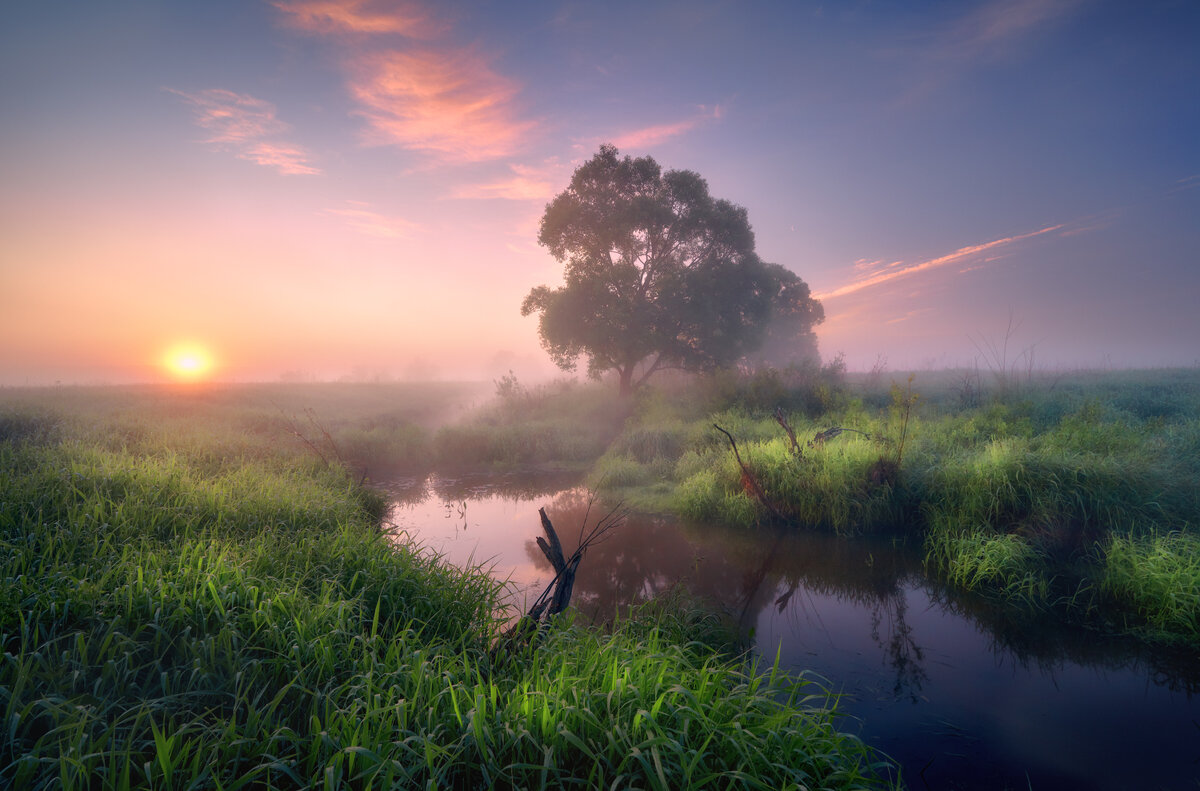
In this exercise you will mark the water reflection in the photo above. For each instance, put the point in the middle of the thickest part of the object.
(962, 693)
(775, 574)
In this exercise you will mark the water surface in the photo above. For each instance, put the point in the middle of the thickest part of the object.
(960, 694)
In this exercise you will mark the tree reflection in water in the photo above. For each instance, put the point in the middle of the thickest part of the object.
(741, 574)
(744, 573)
(961, 692)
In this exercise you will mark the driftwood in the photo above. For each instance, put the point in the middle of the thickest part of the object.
(556, 597)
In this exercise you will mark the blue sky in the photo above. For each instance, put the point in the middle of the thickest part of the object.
(332, 186)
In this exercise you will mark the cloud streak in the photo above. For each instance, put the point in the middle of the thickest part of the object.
(249, 127)
(414, 88)
(997, 25)
(653, 135)
(525, 183)
(360, 16)
(371, 223)
(445, 102)
(873, 277)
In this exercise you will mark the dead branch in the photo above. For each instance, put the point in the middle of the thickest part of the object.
(749, 479)
(781, 419)
(821, 436)
(556, 596)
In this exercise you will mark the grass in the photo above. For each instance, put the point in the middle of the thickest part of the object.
(1158, 578)
(1074, 493)
(185, 603)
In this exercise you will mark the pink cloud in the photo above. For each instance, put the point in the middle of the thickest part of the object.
(243, 123)
(372, 223)
(910, 314)
(653, 135)
(287, 159)
(232, 117)
(360, 16)
(446, 102)
(959, 255)
(443, 99)
(526, 183)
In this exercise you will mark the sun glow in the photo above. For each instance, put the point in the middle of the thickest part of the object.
(188, 362)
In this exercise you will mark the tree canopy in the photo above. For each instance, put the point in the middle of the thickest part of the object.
(659, 274)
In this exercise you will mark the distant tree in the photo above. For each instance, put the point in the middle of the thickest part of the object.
(657, 275)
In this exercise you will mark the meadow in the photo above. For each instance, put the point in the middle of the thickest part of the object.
(1069, 493)
(196, 591)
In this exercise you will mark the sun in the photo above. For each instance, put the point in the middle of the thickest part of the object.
(188, 362)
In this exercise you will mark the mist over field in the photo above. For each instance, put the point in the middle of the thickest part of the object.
(399, 394)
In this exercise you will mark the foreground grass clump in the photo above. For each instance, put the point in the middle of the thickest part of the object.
(1159, 577)
(217, 619)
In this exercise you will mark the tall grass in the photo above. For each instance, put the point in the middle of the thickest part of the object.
(1157, 579)
(1020, 498)
(231, 617)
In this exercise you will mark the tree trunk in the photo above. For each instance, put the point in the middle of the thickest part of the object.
(626, 374)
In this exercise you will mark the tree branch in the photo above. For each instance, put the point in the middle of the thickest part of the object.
(749, 480)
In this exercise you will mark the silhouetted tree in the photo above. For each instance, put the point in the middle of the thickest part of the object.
(658, 275)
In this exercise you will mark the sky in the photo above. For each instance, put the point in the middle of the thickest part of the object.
(352, 188)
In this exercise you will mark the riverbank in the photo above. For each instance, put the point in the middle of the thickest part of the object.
(1075, 494)
(189, 600)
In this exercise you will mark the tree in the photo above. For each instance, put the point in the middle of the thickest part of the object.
(789, 339)
(658, 274)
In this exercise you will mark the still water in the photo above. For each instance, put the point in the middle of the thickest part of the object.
(958, 694)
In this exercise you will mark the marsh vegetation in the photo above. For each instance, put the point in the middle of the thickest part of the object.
(193, 596)
(199, 585)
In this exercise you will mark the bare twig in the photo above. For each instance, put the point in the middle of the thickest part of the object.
(822, 436)
(556, 596)
(781, 419)
(749, 479)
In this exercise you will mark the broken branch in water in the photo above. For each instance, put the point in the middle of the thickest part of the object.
(557, 595)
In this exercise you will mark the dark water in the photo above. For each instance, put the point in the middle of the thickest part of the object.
(962, 696)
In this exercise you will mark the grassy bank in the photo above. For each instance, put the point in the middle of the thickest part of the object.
(188, 603)
(1076, 493)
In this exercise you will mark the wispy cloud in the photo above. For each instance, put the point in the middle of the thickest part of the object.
(525, 183)
(897, 270)
(1190, 182)
(653, 135)
(288, 159)
(446, 102)
(359, 216)
(994, 30)
(361, 16)
(415, 88)
(246, 126)
(910, 314)
(996, 26)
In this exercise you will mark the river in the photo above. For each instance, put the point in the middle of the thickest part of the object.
(961, 695)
